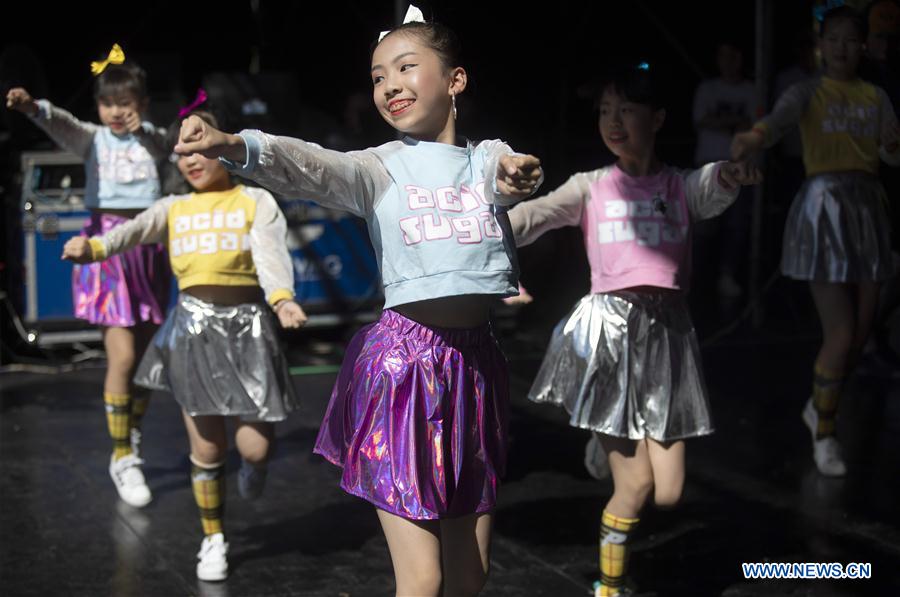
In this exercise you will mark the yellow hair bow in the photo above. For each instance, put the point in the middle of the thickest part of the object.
(116, 56)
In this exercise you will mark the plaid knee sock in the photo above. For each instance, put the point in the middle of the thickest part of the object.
(139, 401)
(208, 482)
(826, 391)
(118, 421)
(615, 533)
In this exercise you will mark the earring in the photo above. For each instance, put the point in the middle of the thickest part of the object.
(453, 102)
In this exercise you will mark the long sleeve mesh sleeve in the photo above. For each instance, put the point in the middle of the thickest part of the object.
(268, 245)
(350, 181)
(562, 207)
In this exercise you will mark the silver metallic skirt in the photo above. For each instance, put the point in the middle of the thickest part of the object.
(220, 360)
(627, 364)
(838, 230)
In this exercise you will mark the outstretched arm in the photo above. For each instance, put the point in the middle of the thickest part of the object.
(70, 133)
(784, 116)
(350, 181)
(712, 188)
(149, 226)
(562, 207)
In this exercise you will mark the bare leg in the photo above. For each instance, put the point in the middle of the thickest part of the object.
(120, 357)
(208, 439)
(834, 303)
(415, 548)
(632, 472)
(866, 307)
(667, 462)
(466, 553)
(254, 441)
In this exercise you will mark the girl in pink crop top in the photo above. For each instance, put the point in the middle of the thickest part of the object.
(625, 362)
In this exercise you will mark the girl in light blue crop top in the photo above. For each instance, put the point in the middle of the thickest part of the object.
(125, 295)
(418, 416)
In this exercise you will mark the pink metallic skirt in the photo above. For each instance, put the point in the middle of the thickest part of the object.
(418, 419)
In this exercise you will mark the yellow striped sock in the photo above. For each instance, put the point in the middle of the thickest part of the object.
(208, 483)
(826, 392)
(615, 533)
(118, 421)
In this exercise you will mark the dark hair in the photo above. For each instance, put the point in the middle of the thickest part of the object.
(118, 79)
(439, 38)
(844, 13)
(636, 82)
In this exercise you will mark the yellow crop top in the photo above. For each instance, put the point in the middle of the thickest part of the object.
(229, 238)
(844, 125)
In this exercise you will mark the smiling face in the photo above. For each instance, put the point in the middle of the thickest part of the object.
(204, 174)
(628, 128)
(841, 47)
(114, 109)
(413, 89)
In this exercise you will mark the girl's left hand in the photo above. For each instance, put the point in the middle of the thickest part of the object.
(290, 314)
(518, 175)
(736, 174)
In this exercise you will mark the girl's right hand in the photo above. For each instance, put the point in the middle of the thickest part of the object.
(198, 136)
(746, 145)
(20, 100)
(78, 249)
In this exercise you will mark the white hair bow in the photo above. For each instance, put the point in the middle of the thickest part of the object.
(413, 15)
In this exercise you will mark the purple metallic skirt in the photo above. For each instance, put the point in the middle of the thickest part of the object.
(418, 419)
(125, 289)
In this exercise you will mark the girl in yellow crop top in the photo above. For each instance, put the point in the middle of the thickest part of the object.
(218, 350)
(837, 235)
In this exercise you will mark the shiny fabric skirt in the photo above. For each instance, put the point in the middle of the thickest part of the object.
(418, 418)
(126, 289)
(838, 230)
(627, 364)
(220, 360)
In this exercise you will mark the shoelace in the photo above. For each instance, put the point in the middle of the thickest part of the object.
(208, 546)
(128, 470)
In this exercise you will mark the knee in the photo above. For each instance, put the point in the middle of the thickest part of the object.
(635, 489)
(668, 494)
(840, 339)
(423, 581)
(469, 584)
(207, 453)
(121, 361)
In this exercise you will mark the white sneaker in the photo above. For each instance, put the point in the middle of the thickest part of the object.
(826, 451)
(251, 480)
(129, 480)
(595, 460)
(213, 564)
(136, 438)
